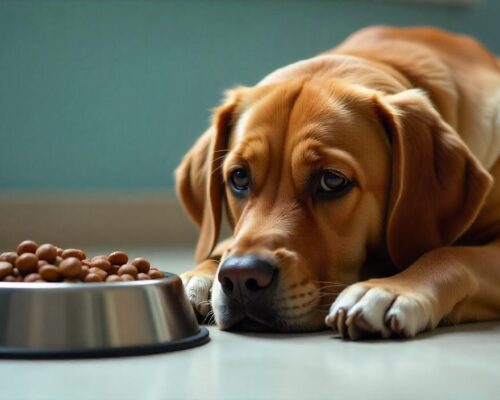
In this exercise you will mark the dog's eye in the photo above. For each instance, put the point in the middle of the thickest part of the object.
(332, 184)
(240, 180)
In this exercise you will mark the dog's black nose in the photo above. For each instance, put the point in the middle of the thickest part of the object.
(245, 277)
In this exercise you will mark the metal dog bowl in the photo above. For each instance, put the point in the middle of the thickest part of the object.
(66, 320)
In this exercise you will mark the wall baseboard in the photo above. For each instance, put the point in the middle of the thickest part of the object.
(94, 220)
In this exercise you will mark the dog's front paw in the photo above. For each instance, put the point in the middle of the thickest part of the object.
(198, 288)
(380, 308)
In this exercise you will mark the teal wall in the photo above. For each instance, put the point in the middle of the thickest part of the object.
(108, 95)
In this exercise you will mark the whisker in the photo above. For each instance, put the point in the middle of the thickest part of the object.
(330, 282)
(217, 169)
(208, 318)
(331, 294)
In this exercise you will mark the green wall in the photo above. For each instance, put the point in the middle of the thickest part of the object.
(108, 95)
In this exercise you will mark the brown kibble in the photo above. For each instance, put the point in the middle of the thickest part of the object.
(83, 272)
(6, 268)
(50, 273)
(128, 269)
(32, 277)
(101, 263)
(26, 263)
(141, 264)
(127, 277)
(94, 270)
(27, 246)
(114, 269)
(154, 273)
(9, 256)
(49, 263)
(70, 267)
(91, 277)
(142, 276)
(118, 258)
(77, 253)
(113, 278)
(47, 252)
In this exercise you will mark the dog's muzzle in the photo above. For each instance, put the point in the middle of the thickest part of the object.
(246, 278)
(249, 285)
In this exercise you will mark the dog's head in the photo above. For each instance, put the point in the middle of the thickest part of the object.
(321, 181)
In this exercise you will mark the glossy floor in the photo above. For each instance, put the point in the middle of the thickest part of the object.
(451, 363)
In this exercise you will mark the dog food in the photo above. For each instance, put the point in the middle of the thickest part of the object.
(48, 263)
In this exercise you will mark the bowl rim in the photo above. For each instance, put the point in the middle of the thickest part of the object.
(169, 276)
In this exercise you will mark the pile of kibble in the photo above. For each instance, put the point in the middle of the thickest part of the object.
(48, 263)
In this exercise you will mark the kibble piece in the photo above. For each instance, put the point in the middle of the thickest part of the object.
(118, 258)
(91, 277)
(70, 267)
(28, 246)
(142, 276)
(113, 278)
(128, 269)
(87, 263)
(9, 256)
(26, 263)
(59, 251)
(58, 260)
(154, 273)
(6, 268)
(101, 263)
(41, 263)
(94, 270)
(50, 273)
(77, 253)
(47, 252)
(11, 278)
(16, 272)
(127, 277)
(114, 269)
(32, 277)
(83, 272)
(99, 256)
(141, 264)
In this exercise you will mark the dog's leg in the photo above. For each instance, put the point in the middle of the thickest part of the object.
(198, 282)
(449, 285)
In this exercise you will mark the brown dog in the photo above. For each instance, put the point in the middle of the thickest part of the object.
(373, 162)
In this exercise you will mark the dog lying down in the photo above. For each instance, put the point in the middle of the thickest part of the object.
(359, 188)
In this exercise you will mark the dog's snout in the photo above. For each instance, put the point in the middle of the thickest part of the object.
(245, 277)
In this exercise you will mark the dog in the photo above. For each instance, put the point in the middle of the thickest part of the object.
(359, 189)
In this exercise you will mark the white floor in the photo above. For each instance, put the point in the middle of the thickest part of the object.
(451, 363)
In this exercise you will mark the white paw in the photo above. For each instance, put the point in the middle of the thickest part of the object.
(198, 292)
(368, 309)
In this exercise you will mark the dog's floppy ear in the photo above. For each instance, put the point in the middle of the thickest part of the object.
(199, 177)
(438, 186)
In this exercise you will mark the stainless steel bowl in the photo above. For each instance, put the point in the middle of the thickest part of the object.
(96, 319)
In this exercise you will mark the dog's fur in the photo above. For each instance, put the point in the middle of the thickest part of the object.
(412, 116)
